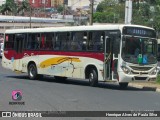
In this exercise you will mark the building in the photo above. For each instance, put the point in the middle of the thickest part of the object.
(2, 2)
(40, 3)
(83, 4)
(78, 3)
(55, 3)
(18, 1)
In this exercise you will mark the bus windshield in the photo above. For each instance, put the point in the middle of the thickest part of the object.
(139, 50)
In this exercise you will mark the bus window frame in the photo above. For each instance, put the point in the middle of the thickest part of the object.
(53, 37)
(26, 49)
(88, 40)
(22, 35)
(12, 48)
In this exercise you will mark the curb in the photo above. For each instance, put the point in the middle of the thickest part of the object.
(155, 89)
(136, 86)
(158, 90)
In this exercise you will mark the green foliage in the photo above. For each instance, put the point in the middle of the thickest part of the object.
(25, 6)
(102, 6)
(144, 13)
(141, 14)
(11, 8)
(109, 11)
(8, 6)
(104, 17)
(158, 79)
(60, 9)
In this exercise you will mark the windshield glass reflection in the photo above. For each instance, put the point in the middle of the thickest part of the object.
(139, 50)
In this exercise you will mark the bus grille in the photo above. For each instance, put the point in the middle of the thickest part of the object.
(140, 78)
(141, 68)
(141, 73)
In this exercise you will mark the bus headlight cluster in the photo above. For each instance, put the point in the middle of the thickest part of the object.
(125, 69)
(154, 71)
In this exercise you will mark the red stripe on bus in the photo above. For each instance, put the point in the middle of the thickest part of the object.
(12, 53)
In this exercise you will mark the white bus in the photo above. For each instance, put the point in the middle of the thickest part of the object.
(121, 53)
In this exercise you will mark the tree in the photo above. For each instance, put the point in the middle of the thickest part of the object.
(156, 15)
(104, 4)
(109, 11)
(24, 6)
(60, 8)
(145, 12)
(8, 7)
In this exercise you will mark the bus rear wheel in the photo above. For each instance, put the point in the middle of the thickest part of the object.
(32, 72)
(123, 85)
(93, 78)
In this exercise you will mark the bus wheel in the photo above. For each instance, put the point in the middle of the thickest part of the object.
(60, 78)
(32, 71)
(93, 78)
(123, 85)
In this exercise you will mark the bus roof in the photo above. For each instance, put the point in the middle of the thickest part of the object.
(73, 28)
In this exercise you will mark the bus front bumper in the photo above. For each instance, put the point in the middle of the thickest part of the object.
(136, 77)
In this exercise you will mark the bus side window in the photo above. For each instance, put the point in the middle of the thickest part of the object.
(77, 41)
(42, 43)
(25, 42)
(65, 41)
(84, 44)
(61, 41)
(33, 41)
(46, 41)
(57, 43)
(97, 40)
(49, 43)
(9, 41)
(108, 44)
(90, 42)
(116, 46)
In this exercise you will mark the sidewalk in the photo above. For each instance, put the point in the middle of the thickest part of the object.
(146, 85)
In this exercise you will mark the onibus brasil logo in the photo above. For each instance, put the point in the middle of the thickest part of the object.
(16, 97)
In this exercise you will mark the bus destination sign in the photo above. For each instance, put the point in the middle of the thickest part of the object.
(139, 32)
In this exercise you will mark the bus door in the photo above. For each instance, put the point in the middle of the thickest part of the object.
(111, 52)
(19, 43)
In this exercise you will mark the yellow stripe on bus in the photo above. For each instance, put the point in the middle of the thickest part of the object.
(57, 60)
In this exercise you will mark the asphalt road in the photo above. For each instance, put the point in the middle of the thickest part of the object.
(49, 94)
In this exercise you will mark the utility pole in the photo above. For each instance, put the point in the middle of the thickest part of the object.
(44, 2)
(30, 17)
(63, 9)
(128, 11)
(91, 12)
(65, 2)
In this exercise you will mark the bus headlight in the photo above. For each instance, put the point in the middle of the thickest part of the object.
(154, 71)
(125, 69)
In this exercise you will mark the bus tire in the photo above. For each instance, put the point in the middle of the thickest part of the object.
(123, 85)
(93, 77)
(32, 71)
(39, 76)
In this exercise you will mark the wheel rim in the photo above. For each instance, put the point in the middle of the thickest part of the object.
(32, 71)
(91, 76)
